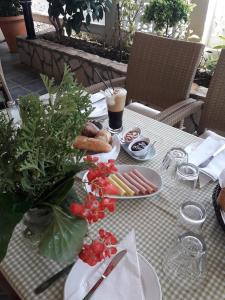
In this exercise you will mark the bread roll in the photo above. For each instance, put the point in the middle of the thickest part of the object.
(104, 135)
(91, 144)
(90, 130)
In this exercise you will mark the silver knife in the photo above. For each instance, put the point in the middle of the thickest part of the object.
(208, 160)
(114, 262)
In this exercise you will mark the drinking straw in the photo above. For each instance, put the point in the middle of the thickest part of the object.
(109, 78)
(103, 81)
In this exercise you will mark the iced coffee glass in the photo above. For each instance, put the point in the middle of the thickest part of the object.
(116, 99)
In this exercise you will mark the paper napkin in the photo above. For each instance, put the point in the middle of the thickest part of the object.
(97, 97)
(122, 284)
(198, 153)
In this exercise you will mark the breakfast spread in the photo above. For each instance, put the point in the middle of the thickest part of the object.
(94, 140)
(132, 183)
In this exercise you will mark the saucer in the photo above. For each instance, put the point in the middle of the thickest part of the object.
(150, 154)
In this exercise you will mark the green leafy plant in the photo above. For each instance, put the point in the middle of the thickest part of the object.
(166, 14)
(221, 46)
(128, 11)
(38, 164)
(67, 15)
(10, 8)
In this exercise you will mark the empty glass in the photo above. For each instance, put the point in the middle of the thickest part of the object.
(173, 158)
(186, 258)
(187, 174)
(191, 217)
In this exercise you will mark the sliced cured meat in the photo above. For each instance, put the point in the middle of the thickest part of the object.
(136, 184)
(141, 182)
(131, 186)
(138, 174)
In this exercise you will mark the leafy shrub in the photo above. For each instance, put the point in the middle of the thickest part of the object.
(69, 15)
(10, 8)
(167, 13)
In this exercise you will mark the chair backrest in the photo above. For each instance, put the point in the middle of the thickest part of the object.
(213, 114)
(5, 95)
(161, 70)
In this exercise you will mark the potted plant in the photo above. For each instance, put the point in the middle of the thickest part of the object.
(11, 21)
(167, 15)
(37, 186)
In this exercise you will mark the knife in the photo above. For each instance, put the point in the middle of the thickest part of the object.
(208, 160)
(47, 283)
(114, 262)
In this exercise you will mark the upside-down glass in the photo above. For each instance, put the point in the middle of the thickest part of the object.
(116, 99)
(173, 158)
(187, 174)
(186, 259)
(191, 218)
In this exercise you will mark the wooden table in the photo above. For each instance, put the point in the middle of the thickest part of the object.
(154, 222)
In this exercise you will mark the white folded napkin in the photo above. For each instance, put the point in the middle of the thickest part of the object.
(123, 283)
(200, 152)
(97, 97)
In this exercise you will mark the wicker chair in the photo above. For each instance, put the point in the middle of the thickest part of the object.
(4, 91)
(213, 112)
(160, 74)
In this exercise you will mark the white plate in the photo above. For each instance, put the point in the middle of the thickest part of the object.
(113, 154)
(148, 173)
(150, 281)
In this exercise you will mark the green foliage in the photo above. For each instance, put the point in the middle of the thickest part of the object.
(37, 161)
(12, 208)
(128, 11)
(167, 13)
(74, 13)
(221, 46)
(10, 8)
(208, 62)
(63, 238)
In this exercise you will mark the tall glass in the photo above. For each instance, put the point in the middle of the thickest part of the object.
(116, 99)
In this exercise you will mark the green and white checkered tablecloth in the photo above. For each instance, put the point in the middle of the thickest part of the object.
(154, 222)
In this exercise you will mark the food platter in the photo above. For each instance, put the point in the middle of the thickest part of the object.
(113, 154)
(148, 173)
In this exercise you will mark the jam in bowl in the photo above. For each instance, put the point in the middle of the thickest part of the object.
(140, 146)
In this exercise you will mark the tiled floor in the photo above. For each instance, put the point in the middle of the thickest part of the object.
(20, 79)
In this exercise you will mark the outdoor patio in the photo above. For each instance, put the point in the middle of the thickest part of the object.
(112, 185)
(21, 79)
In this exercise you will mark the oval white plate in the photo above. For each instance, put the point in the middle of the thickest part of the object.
(148, 173)
(113, 154)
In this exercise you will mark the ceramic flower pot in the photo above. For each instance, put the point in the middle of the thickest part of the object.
(12, 27)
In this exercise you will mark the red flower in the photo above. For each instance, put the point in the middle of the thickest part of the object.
(99, 249)
(92, 209)
(91, 158)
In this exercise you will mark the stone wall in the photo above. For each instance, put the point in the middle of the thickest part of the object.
(49, 58)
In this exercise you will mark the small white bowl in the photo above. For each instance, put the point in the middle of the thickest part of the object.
(131, 129)
(142, 152)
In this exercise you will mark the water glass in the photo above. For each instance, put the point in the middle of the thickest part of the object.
(187, 174)
(173, 158)
(191, 217)
(186, 259)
